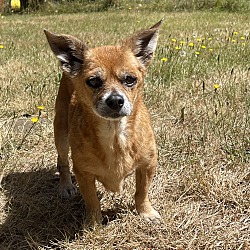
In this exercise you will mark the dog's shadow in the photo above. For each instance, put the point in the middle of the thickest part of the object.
(35, 215)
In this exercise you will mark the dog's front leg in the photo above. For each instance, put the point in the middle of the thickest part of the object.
(144, 176)
(66, 188)
(61, 132)
(87, 188)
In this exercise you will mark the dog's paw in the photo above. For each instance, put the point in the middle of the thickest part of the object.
(66, 191)
(93, 219)
(152, 216)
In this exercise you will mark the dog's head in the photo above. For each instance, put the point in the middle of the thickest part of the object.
(108, 80)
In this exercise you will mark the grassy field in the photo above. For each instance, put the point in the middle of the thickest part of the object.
(198, 93)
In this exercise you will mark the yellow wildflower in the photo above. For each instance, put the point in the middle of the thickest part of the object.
(234, 41)
(191, 44)
(40, 107)
(199, 39)
(210, 38)
(242, 38)
(164, 59)
(1, 46)
(177, 47)
(211, 50)
(197, 52)
(216, 86)
(174, 40)
(236, 33)
(34, 119)
(203, 46)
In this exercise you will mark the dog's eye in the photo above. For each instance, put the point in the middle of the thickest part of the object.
(130, 81)
(94, 82)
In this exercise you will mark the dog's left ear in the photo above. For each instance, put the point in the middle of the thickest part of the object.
(143, 44)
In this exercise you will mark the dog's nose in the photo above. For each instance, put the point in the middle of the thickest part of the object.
(115, 102)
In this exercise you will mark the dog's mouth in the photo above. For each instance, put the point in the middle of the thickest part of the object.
(110, 114)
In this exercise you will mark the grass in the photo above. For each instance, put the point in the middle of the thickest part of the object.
(199, 104)
(68, 6)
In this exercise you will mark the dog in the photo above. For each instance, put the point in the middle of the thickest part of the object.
(101, 116)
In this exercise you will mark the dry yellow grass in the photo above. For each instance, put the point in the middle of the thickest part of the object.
(202, 185)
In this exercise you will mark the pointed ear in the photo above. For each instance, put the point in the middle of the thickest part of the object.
(143, 44)
(68, 50)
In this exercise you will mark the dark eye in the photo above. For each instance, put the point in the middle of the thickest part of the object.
(94, 82)
(129, 80)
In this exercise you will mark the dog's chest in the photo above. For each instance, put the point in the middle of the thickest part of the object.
(113, 136)
(105, 150)
(118, 161)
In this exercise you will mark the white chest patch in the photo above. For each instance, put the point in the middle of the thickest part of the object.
(122, 132)
(114, 131)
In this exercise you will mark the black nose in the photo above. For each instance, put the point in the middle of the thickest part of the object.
(115, 102)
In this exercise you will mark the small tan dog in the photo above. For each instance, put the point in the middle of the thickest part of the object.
(100, 114)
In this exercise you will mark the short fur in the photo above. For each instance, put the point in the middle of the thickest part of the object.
(108, 126)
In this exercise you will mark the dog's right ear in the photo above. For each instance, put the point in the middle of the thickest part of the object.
(69, 51)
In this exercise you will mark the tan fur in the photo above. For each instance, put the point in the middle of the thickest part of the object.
(103, 148)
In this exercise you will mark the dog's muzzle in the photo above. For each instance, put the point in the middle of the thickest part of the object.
(113, 105)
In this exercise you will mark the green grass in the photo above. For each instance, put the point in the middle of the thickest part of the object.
(200, 112)
(87, 6)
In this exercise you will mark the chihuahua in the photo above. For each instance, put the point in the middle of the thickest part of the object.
(101, 116)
